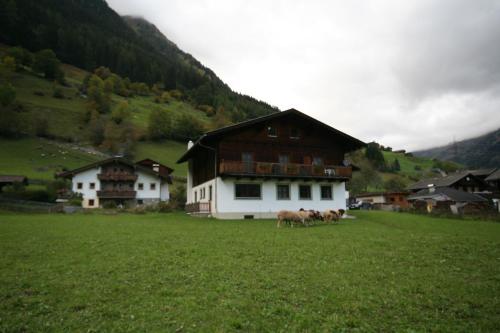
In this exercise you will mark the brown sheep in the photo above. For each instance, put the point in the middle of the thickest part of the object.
(330, 215)
(287, 217)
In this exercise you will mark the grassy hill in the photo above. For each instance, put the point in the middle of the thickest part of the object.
(41, 158)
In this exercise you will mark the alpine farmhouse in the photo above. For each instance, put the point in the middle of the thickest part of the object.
(120, 181)
(286, 160)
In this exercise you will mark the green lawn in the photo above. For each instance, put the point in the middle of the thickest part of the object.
(39, 158)
(382, 272)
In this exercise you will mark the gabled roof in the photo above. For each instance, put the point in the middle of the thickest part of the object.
(12, 179)
(355, 143)
(71, 173)
(483, 172)
(376, 194)
(494, 176)
(440, 181)
(446, 194)
(148, 161)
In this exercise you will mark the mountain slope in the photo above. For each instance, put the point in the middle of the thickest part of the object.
(89, 34)
(483, 151)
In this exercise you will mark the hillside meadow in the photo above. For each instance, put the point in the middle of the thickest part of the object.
(170, 272)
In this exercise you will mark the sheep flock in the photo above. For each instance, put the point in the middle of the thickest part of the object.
(308, 217)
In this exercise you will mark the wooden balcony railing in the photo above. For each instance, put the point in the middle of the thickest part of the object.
(117, 176)
(116, 194)
(198, 207)
(290, 169)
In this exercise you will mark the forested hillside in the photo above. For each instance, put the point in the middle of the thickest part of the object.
(89, 34)
(480, 152)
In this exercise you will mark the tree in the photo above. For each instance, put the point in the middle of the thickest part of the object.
(7, 94)
(374, 155)
(22, 56)
(47, 63)
(159, 125)
(121, 113)
(367, 178)
(396, 166)
(395, 184)
(187, 127)
(98, 98)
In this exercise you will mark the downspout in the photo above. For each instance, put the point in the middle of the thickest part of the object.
(215, 170)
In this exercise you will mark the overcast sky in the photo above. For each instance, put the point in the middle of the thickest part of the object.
(409, 74)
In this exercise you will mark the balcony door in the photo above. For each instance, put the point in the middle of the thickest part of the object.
(247, 159)
(283, 163)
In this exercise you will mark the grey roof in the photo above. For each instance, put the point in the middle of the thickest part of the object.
(446, 193)
(494, 176)
(12, 179)
(483, 172)
(439, 181)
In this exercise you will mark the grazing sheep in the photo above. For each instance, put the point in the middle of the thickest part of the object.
(288, 217)
(330, 215)
(341, 212)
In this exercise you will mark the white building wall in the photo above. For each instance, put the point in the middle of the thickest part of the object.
(86, 177)
(198, 190)
(225, 205)
(376, 199)
(147, 193)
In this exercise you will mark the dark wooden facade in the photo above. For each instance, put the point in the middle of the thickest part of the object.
(291, 146)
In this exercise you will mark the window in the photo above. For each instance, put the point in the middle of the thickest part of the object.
(326, 192)
(195, 196)
(247, 159)
(317, 161)
(202, 193)
(272, 131)
(283, 191)
(91, 202)
(305, 192)
(284, 159)
(79, 186)
(92, 186)
(210, 193)
(294, 133)
(152, 186)
(247, 191)
(140, 201)
(140, 186)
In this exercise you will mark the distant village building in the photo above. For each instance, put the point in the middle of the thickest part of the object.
(446, 199)
(9, 180)
(121, 181)
(286, 160)
(462, 180)
(385, 200)
(463, 191)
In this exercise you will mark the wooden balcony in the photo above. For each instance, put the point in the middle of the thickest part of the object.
(198, 207)
(116, 194)
(290, 170)
(117, 176)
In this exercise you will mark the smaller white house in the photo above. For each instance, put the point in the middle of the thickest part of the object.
(121, 181)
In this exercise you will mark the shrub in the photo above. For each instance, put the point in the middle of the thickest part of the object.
(109, 204)
(57, 92)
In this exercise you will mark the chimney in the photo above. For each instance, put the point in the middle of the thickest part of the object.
(431, 188)
(190, 144)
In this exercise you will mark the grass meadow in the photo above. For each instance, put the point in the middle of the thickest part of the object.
(169, 272)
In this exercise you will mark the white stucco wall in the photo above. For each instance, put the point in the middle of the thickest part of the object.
(376, 199)
(206, 185)
(225, 205)
(86, 177)
(146, 192)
